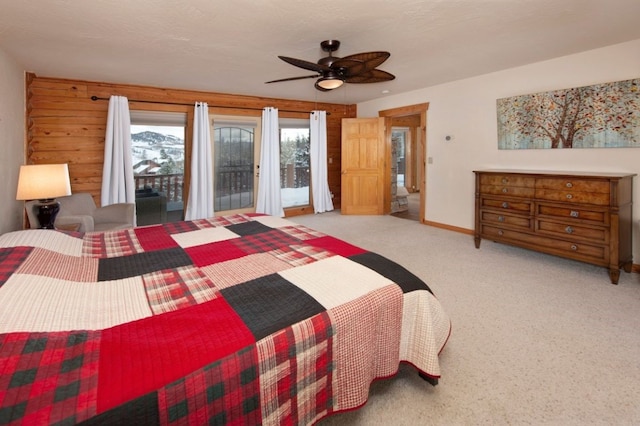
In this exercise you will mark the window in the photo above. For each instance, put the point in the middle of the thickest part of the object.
(157, 144)
(235, 155)
(295, 174)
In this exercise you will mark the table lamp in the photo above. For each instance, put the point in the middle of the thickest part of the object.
(44, 182)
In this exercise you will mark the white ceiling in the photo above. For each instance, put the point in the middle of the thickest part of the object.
(231, 46)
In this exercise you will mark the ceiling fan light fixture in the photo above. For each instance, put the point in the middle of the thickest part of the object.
(329, 82)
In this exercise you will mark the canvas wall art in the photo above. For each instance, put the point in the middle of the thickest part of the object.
(599, 116)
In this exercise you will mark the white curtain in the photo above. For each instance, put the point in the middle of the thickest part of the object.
(318, 155)
(118, 185)
(200, 203)
(269, 195)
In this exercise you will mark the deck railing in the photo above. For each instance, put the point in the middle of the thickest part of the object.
(229, 180)
(171, 185)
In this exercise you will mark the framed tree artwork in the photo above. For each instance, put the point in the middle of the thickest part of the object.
(599, 116)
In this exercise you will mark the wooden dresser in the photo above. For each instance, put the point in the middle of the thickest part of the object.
(580, 216)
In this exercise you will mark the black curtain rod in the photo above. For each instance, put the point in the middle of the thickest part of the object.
(95, 98)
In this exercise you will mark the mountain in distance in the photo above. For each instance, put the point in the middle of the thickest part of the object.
(153, 138)
(159, 148)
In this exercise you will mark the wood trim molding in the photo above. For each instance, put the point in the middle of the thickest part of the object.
(447, 227)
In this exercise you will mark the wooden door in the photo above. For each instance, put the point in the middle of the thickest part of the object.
(364, 160)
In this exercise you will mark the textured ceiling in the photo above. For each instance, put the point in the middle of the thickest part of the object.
(232, 46)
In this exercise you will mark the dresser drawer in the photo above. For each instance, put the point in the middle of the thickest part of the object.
(513, 191)
(507, 180)
(576, 213)
(580, 185)
(564, 230)
(524, 222)
(506, 204)
(570, 196)
(566, 248)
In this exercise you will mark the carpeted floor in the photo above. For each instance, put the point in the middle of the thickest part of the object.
(536, 339)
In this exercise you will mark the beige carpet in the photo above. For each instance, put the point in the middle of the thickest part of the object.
(536, 339)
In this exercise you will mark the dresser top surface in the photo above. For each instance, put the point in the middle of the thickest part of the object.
(552, 173)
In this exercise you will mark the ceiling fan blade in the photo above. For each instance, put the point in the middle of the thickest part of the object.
(305, 64)
(373, 76)
(293, 78)
(370, 60)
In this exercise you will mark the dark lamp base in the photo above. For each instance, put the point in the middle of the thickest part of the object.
(46, 211)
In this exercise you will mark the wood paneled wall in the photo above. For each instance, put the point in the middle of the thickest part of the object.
(65, 126)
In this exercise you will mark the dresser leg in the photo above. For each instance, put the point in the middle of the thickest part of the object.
(627, 267)
(477, 240)
(614, 274)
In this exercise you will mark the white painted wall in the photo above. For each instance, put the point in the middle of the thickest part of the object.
(12, 112)
(466, 109)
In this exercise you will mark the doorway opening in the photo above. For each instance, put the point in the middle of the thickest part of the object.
(408, 150)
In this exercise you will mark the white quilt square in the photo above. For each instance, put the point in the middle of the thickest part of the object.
(335, 280)
(203, 236)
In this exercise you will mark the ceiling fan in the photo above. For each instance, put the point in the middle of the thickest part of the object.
(332, 72)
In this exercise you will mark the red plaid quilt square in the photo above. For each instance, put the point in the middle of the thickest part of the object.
(264, 241)
(301, 232)
(10, 259)
(228, 220)
(173, 289)
(154, 238)
(44, 374)
(225, 392)
(296, 372)
(298, 255)
(111, 244)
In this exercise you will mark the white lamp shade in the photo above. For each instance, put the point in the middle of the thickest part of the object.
(43, 181)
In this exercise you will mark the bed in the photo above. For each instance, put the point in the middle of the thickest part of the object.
(240, 319)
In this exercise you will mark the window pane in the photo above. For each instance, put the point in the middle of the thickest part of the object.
(233, 153)
(158, 169)
(294, 166)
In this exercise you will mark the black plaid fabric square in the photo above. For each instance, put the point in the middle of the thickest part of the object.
(115, 268)
(225, 392)
(391, 270)
(10, 259)
(180, 227)
(249, 228)
(139, 411)
(261, 242)
(270, 303)
(53, 371)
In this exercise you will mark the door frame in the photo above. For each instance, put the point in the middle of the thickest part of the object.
(421, 110)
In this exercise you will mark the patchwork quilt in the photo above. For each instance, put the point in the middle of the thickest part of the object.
(243, 319)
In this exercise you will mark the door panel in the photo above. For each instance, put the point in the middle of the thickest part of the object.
(363, 166)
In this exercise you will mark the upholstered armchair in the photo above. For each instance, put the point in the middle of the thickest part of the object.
(80, 209)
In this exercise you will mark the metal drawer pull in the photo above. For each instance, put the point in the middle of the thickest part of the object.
(505, 180)
(574, 247)
(569, 196)
(569, 230)
(500, 218)
(569, 185)
(500, 232)
(574, 213)
(505, 205)
(505, 190)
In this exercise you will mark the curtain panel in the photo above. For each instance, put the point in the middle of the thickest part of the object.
(200, 202)
(318, 156)
(269, 194)
(118, 185)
